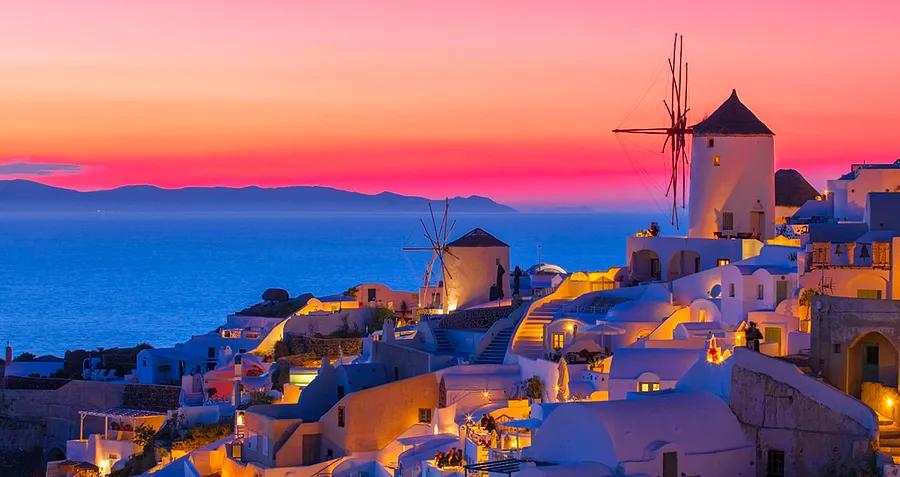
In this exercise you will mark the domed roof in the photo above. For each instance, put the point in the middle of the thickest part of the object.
(546, 268)
(731, 118)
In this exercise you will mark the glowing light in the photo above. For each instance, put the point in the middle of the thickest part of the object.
(570, 327)
(714, 353)
(890, 402)
(486, 394)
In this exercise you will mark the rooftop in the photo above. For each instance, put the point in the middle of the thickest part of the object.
(478, 237)
(732, 118)
(792, 189)
(855, 168)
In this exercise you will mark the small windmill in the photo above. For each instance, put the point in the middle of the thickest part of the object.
(438, 236)
(675, 132)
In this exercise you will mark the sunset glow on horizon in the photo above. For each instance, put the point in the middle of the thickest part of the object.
(514, 101)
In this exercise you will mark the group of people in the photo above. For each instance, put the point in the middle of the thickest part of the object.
(451, 458)
(488, 423)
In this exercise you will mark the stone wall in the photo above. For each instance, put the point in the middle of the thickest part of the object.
(838, 324)
(331, 347)
(815, 439)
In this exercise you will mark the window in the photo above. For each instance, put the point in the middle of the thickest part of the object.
(210, 366)
(340, 391)
(425, 415)
(710, 142)
(722, 262)
(341, 416)
(371, 293)
(760, 291)
(265, 445)
(648, 387)
(727, 220)
(717, 161)
(211, 352)
(396, 373)
(731, 290)
(881, 253)
(837, 348)
(821, 253)
(870, 294)
(775, 463)
(559, 341)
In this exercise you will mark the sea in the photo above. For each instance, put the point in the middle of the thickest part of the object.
(107, 280)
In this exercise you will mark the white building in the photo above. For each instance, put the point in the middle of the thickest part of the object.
(732, 175)
(850, 191)
(476, 270)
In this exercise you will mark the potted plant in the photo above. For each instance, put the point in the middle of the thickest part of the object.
(534, 389)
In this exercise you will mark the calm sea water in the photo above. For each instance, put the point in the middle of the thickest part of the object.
(71, 282)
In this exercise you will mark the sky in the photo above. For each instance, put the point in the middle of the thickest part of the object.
(512, 100)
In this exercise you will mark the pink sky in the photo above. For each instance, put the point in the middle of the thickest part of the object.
(513, 100)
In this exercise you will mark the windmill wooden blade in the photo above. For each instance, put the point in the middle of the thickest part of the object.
(675, 144)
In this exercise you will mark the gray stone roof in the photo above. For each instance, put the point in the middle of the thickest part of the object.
(732, 118)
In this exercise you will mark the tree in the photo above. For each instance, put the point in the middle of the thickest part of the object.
(381, 315)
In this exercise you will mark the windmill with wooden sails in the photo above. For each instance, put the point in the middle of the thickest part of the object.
(431, 294)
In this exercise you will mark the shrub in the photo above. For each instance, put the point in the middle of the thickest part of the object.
(534, 388)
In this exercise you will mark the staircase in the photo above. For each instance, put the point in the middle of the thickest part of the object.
(441, 341)
(495, 352)
(529, 339)
(889, 438)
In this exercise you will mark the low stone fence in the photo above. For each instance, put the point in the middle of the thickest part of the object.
(885, 400)
(331, 347)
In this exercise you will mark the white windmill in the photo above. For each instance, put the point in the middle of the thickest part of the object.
(438, 235)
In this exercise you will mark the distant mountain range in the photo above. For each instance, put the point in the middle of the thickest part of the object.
(28, 196)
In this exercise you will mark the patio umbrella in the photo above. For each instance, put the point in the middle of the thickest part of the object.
(562, 393)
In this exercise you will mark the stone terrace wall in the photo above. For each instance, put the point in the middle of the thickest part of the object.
(476, 318)
(331, 347)
(816, 440)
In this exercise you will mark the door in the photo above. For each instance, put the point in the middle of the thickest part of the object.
(670, 464)
(870, 363)
(757, 224)
(773, 335)
(781, 291)
(654, 269)
(312, 444)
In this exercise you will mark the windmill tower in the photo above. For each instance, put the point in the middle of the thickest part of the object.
(434, 296)
(732, 175)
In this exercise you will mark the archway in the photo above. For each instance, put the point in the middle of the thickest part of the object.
(871, 357)
(683, 262)
(645, 266)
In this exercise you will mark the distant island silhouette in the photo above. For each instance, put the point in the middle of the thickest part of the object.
(28, 196)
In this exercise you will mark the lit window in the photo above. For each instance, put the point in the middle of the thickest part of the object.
(648, 387)
(559, 340)
(760, 291)
(722, 262)
(425, 415)
(727, 220)
(717, 161)
(870, 294)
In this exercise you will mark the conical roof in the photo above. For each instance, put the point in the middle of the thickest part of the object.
(732, 117)
(477, 238)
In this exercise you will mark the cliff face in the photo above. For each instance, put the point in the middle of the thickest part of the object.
(28, 196)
